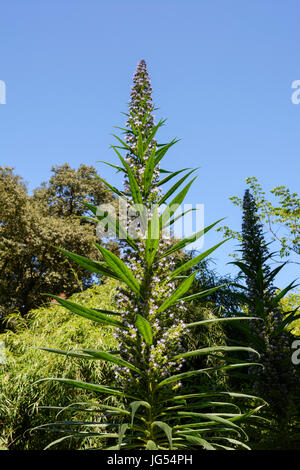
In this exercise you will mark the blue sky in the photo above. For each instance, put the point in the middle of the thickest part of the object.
(221, 71)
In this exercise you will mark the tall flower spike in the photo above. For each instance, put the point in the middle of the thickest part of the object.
(140, 124)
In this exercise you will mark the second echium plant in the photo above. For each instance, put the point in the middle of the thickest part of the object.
(156, 410)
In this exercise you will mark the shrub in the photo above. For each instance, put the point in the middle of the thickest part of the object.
(21, 400)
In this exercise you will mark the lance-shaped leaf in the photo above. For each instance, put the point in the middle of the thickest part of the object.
(88, 386)
(135, 406)
(112, 224)
(148, 173)
(184, 286)
(86, 312)
(283, 292)
(180, 398)
(72, 353)
(120, 269)
(124, 145)
(108, 312)
(214, 349)
(118, 168)
(274, 272)
(199, 441)
(122, 431)
(189, 264)
(291, 317)
(135, 190)
(163, 150)
(144, 329)
(175, 204)
(216, 320)
(92, 354)
(153, 237)
(172, 221)
(112, 188)
(175, 187)
(171, 176)
(188, 240)
(106, 356)
(243, 267)
(166, 429)
(235, 442)
(202, 294)
(192, 373)
(93, 266)
(153, 132)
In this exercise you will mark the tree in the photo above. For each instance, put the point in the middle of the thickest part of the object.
(32, 226)
(278, 382)
(68, 188)
(280, 219)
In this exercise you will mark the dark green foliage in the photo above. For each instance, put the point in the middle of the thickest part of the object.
(279, 382)
(31, 227)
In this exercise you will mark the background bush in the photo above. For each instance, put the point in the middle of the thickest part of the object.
(49, 326)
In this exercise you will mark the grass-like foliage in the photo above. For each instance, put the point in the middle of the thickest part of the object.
(158, 412)
(23, 405)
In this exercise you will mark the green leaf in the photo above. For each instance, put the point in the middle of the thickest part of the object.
(144, 329)
(243, 267)
(192, 373)
(215, 394)
(170, 176)
(120, 269)
(215, 320)
(202, 294)
(93, 355)
(92, 266)
(122, 431)
(184, 286)
(213, 349)
(72, 353)
(151, 445)
(282, 293)
(171, 222)
(196, 260)
(153, 237)
(86, 312)
(118, 168)
(176, 186)
(148, 173)
(88, 386)
(135, 190)
(163, 150)
(135, 406)
(175, 204)
(197, 440)
(188, 240)
(113, 224)
(124, 145)
(166, 429)
(112, 188)
(106, 356)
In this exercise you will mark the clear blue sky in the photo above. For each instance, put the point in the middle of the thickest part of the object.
(221, 72)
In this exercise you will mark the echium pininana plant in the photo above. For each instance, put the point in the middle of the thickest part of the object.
(278, 382)
(141, 128)
(155, 413)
